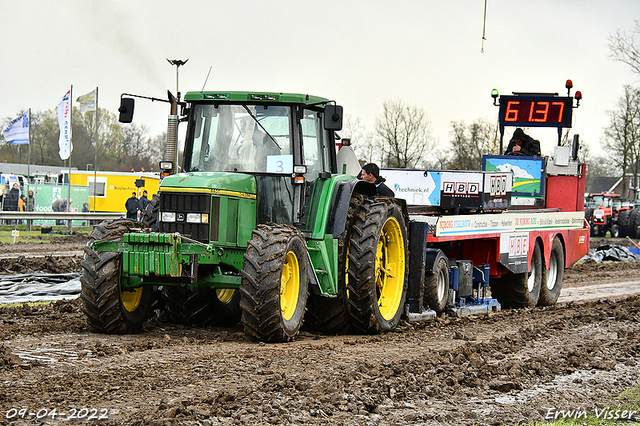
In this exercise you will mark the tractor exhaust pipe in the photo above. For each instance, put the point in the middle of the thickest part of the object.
(171, 150)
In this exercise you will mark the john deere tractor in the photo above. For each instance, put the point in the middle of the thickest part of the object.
(261, 226)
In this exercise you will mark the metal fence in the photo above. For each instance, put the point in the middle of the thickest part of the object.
(69, 217)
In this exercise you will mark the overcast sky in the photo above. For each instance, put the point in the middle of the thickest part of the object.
(426, 53)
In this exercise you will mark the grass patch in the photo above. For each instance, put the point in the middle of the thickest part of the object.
(13, 305)
(35, 236)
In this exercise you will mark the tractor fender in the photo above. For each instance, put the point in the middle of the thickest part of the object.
(339, 207)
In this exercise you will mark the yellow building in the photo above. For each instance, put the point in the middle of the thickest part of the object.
(112, 189)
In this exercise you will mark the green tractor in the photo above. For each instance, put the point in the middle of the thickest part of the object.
(263, 225)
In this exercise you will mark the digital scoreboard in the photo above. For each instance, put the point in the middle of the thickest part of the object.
(535, 111)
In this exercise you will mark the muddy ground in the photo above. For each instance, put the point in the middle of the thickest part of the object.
(509, 367)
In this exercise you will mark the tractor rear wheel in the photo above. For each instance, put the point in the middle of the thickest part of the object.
(274, 289)
(377, 272)
(217, 307)
(188, 307)
(552, 278)
(523, 289)
(226, 302)
(329, 315)
(109, 308)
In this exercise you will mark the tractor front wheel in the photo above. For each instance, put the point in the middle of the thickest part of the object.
(274, 289)
(108, 307)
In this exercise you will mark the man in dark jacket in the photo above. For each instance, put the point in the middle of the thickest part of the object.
(132, 207)
(143, 201)
(523, 144)
(11, 201)
(371, 173)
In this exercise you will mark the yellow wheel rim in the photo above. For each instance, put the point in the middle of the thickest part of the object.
(131, 299)
(225, 294)
(390, 268)
(289, 285)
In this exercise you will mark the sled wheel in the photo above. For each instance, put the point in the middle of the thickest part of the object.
(329, 315)
(273, 293)
(377, 273)
(188, 307)
(436, 286)
(520, 290)
(107, 307)
(552, 279)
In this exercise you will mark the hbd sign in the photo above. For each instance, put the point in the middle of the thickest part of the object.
(461, 188)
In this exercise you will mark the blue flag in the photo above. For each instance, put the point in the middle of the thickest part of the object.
(17, 132)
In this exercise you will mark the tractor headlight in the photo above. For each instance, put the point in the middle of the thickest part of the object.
(168, 217)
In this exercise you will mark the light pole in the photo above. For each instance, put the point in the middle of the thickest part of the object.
(177, 63)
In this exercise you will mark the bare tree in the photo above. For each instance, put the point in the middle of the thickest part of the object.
(406, 135)
(365, 147)
(470, 143)
(622, 136)
(625, 49)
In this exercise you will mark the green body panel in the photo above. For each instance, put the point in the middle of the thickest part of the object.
(212, 182)
(323, 247)
(322, 203)
(236, 193)
(256, 97)
(324, 261)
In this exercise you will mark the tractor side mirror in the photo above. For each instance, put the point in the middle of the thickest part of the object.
(333, 117)
(126, 110)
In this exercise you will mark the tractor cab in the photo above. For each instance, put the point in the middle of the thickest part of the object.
(273, 149)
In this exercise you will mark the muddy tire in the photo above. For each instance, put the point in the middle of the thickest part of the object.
(436, 286)
(625, 224)
(377, 273)
(329, 315)
(226, 303)
(588, 215)
(150, 215)
(520, 290)
(188, 307)
(107, 307)
(635, 223)
(274, 289)
(552, 278)
(615, 231)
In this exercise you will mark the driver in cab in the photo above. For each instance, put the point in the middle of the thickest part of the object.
(523, 144)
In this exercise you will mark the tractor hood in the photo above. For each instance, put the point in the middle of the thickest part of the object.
(217, 183)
